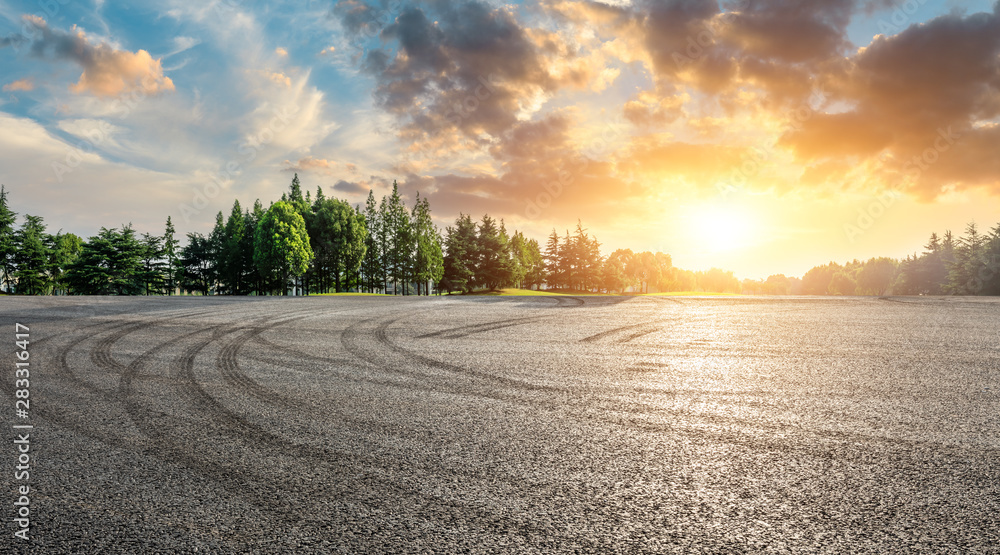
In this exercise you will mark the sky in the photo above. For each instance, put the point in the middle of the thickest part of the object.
(758, 136)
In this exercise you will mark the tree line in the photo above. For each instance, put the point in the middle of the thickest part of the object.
(306, 243)
(969, 265)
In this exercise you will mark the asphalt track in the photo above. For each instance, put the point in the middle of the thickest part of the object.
(504, 424)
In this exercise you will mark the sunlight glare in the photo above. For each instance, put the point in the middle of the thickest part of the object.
(722, 228)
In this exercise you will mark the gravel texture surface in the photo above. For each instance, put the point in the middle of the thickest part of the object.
(505, 424)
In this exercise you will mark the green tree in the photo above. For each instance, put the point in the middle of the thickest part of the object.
(234, 271)
(31, 257)
(372, 269)
(534, 273)
(553, 270)
(460, 255)
(991, 269)
(966, 270)
(716, 280)
(337, 234)
(198, 260)
(931, 270)
(154, 269)
(520, 259)
(281, 244)
(842, 284)
(110, 263)
(491, 270)
(65, 250)
(255, 278)
(171, 253)
(587, 258)
(7, 244)
(400, 245)
(217, 240)
(295, 190)
(428, 260)
(647, 270)
(817, 280)
(614, 271)
(876, 276)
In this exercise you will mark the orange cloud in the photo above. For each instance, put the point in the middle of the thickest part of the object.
(107, 71)
(26, 84)
(277, 77)
(309, 163)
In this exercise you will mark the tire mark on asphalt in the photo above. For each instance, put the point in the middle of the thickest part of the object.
(56, 412)
(616, 331)
(344, 463)
(383, 339)
(463, 331)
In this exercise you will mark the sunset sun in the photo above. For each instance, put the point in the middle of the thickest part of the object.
(720, 228)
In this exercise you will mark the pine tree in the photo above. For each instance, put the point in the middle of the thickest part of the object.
(398, 232)
(153, 266)
(171, 253)
(234, 270)
(428, 259)
(31, 257)
(7, 244)
(372, 264)
(966, 271)
(553, 270)
(460, 255)
(64, 250)
(217, 242)
(295, 191)
(255, 277)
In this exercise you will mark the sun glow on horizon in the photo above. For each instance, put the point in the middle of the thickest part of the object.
(722, 228)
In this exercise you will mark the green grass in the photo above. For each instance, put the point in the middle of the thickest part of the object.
(691, 294)
(511, 292)
(348, 295)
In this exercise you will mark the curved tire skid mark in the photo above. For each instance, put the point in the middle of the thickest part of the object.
(570, 302)
(463, 331)
(58, 413)
(381, 336)
(322, 457)
(663, 299)
(643, 328)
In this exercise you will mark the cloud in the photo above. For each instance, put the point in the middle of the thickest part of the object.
(26, 84)
(107, 71)
(281, 52)
(350, 188)
(309, 164)
(276, 77)
(327, 50)
(460, 71)
(923, 102)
